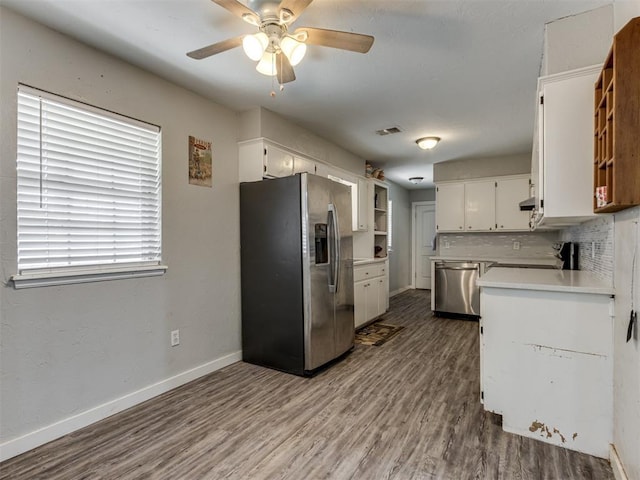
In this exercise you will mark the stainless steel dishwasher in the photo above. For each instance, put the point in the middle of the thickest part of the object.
(456, 290)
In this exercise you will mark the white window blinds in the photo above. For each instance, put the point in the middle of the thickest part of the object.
(89, 187)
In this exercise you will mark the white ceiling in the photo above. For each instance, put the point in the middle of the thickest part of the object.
(462, 70)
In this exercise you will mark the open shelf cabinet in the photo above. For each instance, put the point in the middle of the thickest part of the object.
(380, 219)
(616, 163)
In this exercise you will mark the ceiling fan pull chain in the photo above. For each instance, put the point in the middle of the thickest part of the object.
(281, 70)
(273, 86)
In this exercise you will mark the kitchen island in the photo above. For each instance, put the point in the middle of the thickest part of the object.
(546, 355)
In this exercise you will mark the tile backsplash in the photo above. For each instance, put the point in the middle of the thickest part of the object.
(498, 245)
(595, 240)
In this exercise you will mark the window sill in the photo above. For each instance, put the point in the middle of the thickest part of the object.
(70, 277)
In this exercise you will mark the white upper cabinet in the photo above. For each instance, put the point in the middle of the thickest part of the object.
(362, 207)
(450, 207)
(260, 158)
(482, 205)
(277, 162)
(479, 200)
(301, 164)
(564, 189)
(509, 193)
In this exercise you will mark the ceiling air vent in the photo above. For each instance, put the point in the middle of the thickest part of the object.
(388, 131)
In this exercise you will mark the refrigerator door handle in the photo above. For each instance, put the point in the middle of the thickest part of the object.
(334, 248)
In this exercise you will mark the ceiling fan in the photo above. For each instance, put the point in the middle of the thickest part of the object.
(276, 49)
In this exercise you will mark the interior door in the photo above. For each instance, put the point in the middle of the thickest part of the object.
(424, 244)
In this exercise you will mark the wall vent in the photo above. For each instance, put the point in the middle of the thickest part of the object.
(388, 131)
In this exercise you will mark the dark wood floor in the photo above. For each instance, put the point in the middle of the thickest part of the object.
(408, 409)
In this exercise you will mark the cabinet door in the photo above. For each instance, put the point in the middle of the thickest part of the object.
(567, 145)
(301, 164)
(383, 294)
(509, 193)
(480, 201)
(277, 162)
(363, 205)
(323, 169)
(371, 298)
(450, 207)
(359, 303)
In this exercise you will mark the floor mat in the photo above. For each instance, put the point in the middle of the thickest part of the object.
(376, 334)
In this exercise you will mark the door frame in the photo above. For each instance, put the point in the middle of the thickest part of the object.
(414, 206)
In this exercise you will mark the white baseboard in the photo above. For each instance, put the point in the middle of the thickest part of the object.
(616, 464)
(31, 440)
(400, 290)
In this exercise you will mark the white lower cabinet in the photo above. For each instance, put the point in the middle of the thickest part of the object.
(370, 291)
(546, 365)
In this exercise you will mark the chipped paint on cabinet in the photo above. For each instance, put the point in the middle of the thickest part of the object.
(547, 366)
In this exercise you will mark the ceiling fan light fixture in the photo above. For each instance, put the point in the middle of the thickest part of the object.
(267, 64)
(416, 180)
(255, 45)
(293, 49)
(427, 143)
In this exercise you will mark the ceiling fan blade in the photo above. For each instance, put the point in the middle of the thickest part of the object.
(284, 69)
(240, 10)
(355, 42)
(296, 7)
(215, 48)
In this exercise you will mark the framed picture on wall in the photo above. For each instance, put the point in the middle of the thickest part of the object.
(200, 162)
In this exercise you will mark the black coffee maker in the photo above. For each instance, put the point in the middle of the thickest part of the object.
(568, 252)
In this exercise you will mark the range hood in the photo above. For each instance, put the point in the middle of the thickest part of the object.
(528, 204)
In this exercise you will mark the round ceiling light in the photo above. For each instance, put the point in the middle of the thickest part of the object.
(427, 143)
(416, 180)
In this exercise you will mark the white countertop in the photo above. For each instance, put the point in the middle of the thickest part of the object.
(504, 260)
(552, 280)
(365, 261)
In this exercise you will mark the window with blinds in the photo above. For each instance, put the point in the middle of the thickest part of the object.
(89, 189)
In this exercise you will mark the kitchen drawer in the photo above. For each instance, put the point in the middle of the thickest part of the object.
(364, 272)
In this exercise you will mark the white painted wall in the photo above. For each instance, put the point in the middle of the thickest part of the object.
(422, 195)
(69, 349)
(626, 362)
(578, 40)
(261, 122)
(465, 169)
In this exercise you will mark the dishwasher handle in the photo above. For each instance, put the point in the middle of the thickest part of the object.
(443, 266)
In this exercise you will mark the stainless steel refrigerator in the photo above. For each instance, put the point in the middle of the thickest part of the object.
(297, 272)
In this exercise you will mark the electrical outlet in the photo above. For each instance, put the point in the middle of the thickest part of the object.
(175, 338)
(516, 245)
(447, 244)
